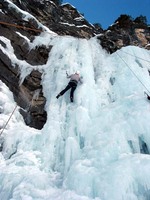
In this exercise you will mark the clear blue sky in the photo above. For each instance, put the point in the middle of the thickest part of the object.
(106, 12)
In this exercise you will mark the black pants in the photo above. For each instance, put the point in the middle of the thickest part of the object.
(71, 85)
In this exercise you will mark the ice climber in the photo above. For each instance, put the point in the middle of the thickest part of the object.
(74, 79)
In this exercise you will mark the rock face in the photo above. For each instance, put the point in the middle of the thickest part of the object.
(31, 100)
(29, 94)
(126, 31)
(63, 20)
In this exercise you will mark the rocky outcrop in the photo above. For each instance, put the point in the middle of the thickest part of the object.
(64, 20)
(29, 94)
(31, 100)
(126, 31)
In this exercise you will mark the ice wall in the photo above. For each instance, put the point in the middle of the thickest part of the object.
(93, 148)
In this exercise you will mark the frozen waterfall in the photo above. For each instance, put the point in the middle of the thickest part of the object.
(95, 148)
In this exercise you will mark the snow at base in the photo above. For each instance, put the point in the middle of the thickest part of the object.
(95, 148)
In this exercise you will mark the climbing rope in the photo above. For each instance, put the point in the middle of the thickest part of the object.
(135, 56)
(8, 120)
(21, 27)
(133, 73)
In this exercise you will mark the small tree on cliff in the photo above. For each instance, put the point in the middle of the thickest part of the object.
(124, 21)
(141, 20)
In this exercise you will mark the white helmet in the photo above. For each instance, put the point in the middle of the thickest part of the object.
(77, 72)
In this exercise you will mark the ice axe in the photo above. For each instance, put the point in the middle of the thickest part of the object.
(66, 73)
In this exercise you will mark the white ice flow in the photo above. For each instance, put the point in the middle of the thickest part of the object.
(95, 148)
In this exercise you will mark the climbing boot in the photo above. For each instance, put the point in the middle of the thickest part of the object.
(58, 96)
